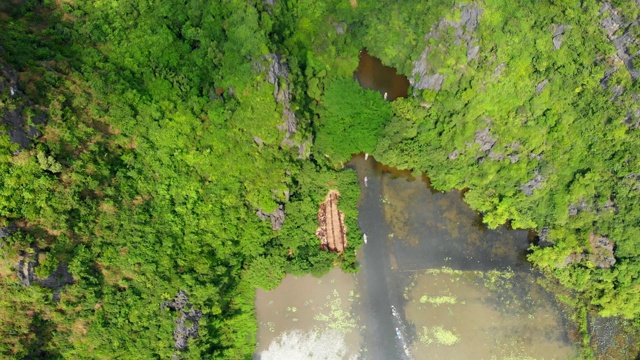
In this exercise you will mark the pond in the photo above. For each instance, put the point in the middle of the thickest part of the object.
(372, 74)
(434, 282)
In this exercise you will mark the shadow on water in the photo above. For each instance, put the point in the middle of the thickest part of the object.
(372, 74)
(379, 287)
(433, 228)
(450, 277)
(459, 290)
(435, 282)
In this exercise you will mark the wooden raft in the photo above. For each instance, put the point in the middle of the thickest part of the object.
(331, 230)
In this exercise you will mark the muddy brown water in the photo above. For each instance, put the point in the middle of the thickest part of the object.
(434, 282)
(461, 291)
(372, 74)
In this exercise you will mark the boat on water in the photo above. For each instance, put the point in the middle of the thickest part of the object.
(366, 181)
(364, 237)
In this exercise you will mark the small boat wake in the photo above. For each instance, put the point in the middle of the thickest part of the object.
(401, 331)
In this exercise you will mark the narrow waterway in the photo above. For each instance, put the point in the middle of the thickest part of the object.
(434, 283)
(459, 290)
(462, 291)
(379, 285)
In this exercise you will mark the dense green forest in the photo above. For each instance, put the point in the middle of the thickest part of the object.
(163, 142)
(163, 158)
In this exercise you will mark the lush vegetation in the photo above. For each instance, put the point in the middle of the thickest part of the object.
(165, 135)
(161, 144)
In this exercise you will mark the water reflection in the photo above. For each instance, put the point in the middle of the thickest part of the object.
(460, 290)
(371, 74)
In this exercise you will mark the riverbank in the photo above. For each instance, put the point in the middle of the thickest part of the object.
(456, 287)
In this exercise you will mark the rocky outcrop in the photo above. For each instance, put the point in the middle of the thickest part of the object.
(277, 217)
(26, 268)
(340, 27)
(487, 143)
(26, 271)
(575, 209)
(8, 230)
(620, 33)
(278, 75)
(188, 314)
(632, 181)
(543, 239)
(611, 205)
(532, 184)
(423, 75)
(57, 280)
(602, 254)
(573, 258)
(582, 205)
(541, 85)
(20, 128)
(484, 139)
(557, 31)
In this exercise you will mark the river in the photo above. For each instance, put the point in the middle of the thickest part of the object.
(460, 290)
(434, 282)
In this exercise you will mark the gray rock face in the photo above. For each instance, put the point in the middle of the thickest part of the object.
(277, 217)
(541, 85)
(303, 149)
(575, 209)
(633, 119)
(13, 117)
(610, 205)
(340, 27)
(469, 17)
(484, 139)
(26, 269)
(620, 33)
(499, 69)
(532, 184)
(58, 279)
(573, 258)
(604, 82)
(262, 215)
(182, 333)
(543, 238)
(6, 231)
(423, 76)
(472, 53)
(278, 75)
(496, 156)
(557, 31)
(632, 181)
(601, 251)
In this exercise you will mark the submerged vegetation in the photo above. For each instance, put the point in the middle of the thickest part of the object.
(163, 146)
